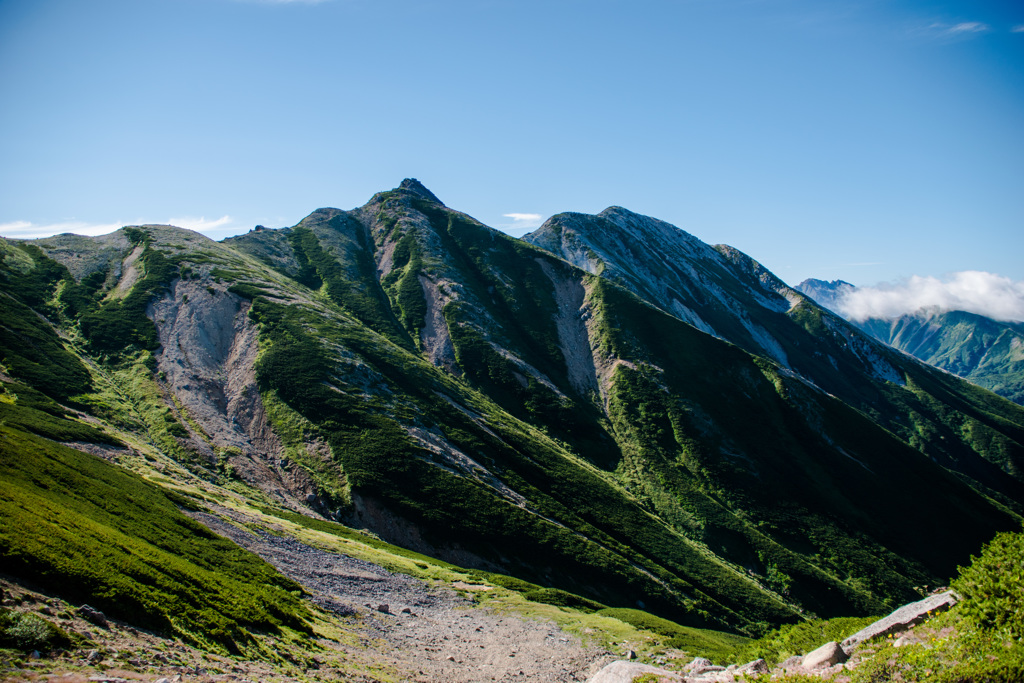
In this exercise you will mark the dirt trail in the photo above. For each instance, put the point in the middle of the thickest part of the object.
(443, 637)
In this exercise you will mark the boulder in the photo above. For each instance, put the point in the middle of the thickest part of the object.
(697, 663)
(624, 672)
(93, 615)
(758, 666)
(903, 618)
(828, 654)
(707, 670)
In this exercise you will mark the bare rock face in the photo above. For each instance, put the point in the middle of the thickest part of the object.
(828, 654)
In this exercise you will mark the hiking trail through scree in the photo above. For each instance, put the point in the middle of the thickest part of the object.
(443, 637)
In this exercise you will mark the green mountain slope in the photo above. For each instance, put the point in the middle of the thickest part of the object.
(404, 368)
(986, 352)
(95, 533)
(726, 293)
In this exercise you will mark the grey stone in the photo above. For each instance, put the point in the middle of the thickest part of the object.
(758, 666)
(384, 607)
(624, 672)
(828, 654)
(903, 618)
(630, 654)
(697, 663)
(707, 670)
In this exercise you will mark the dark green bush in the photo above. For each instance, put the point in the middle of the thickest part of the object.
(992, 586)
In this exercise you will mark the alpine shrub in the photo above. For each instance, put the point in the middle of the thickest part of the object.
(992, 586)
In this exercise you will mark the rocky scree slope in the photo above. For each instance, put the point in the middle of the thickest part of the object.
(406, 369)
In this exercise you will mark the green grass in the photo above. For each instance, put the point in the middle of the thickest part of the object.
(717, 646)
(799, 639)
(342, 531)
(30, 410)
(91, 532)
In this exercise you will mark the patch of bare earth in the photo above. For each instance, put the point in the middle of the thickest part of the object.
(434, 336)
(573, 337)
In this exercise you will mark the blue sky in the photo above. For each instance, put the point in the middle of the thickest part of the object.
(863, 140)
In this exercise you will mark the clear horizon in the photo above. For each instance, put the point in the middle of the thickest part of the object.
(868, 141)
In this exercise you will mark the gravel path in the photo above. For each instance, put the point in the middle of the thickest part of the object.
(431, 632)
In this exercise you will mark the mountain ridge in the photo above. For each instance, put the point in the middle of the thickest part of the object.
(404, 368)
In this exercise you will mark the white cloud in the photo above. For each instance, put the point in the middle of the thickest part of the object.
(200, 224)
(1017, 29)
(974, 291)
(29, 230)
(969, 27)
(524, 220)
(961, 29)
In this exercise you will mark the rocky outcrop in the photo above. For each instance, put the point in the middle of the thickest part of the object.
(903, 618)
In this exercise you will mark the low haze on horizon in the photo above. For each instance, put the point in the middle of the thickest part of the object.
(867, 141)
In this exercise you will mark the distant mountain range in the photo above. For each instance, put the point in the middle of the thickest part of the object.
(607, 406)
(987, 352)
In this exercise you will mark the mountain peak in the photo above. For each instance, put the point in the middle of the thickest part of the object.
(416, 187)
